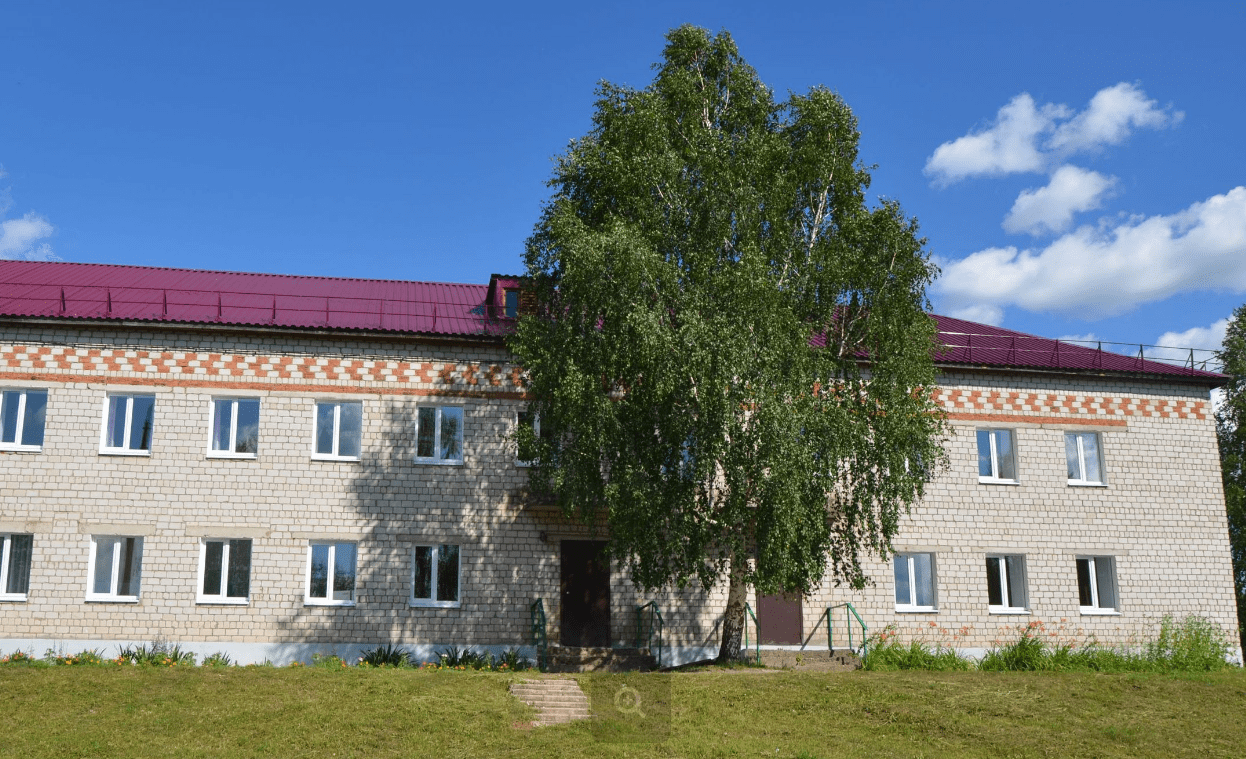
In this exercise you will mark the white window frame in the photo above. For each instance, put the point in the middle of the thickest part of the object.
(436, 459)
(6, 552)
(337, 430)
(995, 479)
(16, 445)
(1082, 482)
(1002, 558)
(1095, 609)
(212, 453)
(125, 450)
(432, 602)
(909, 608)
(308, 600)
(221, 598)
(112, 597)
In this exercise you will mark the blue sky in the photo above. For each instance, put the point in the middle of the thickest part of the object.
(1077, 167)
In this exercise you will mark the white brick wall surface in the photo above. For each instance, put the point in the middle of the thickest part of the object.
(1161, 515)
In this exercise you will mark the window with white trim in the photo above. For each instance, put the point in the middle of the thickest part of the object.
(22, 415)
(331, 573)
(1005, 584)
(439, 435)
(1084, 454)
(128, 423)
(338, 429)
(15, 553)
(224, 571)
(435, 576)
(235, 428)
(1096, 585)
(915, 582)
(997, 456)
(115, 568)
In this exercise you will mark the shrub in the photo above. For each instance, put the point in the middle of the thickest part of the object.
(330, 661)
(1195, 645)
(218, 659)
(386, 656)
(886, 653)
(19, 659)
(88, 657)
(156, 655)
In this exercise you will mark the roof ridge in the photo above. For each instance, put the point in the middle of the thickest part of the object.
(242, 273)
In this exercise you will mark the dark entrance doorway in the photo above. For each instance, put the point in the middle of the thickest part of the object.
(779, 618)
(585, 594)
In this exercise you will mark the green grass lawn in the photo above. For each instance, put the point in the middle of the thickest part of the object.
(237, 712)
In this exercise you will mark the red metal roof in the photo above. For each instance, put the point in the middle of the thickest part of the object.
(143, 293)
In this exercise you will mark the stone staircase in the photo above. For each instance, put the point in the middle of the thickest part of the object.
(557, 701)
(568, 659)
(842, 660)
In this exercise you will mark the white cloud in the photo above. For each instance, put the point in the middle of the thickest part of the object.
(1101, 271)
(1089, 337)
(983, 314)
(20, 238)
(1029, 138)
(1112, 113)
(1051, 208)
(1175, 347)
(1007, 147)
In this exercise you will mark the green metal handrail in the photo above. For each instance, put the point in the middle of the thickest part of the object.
(757, 644)
(644, 636)
(539, 637)
(849, 612)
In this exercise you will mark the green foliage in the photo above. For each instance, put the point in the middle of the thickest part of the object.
(388, 655)
(90, 657)
(885, 653)
(1193, 645)
(156, 655)
(454, 658)
(218, 659)
(726, 338)
(1231, 432)
(20, 659)
(328, 661)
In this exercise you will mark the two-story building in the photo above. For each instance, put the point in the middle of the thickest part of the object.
(272, 466)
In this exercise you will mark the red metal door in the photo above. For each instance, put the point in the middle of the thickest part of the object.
(779, 618)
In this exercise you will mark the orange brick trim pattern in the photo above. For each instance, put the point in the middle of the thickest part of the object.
(1013, 405)
(238, 371)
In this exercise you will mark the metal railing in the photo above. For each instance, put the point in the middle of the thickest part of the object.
(757, 643)
(539, 636)
(849, 613)
(645, 634)
(1071, 353)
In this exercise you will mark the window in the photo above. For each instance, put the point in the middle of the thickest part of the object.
(235, 428)
(1005, 584)
(915, 581)
(21, 419)
(439, 435)
(224, 571)
(1096, 584)
(997, 456)
(128, 423)
(338, 426)
(15, 551)
(531, 420)
(1085, 457)
(115, 568)
(510, 303)
(435, 576)
(331, 574)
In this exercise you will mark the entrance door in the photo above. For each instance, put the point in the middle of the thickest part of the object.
(779, 618)
(585, 594)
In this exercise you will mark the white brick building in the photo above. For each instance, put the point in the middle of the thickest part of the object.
(274, 466)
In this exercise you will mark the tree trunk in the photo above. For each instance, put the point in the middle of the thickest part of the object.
(734, 619)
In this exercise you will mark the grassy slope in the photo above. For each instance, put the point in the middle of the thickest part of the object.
(140, 712)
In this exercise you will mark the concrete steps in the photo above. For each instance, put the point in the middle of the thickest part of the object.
(568, 659)
(556, 701)
(841, 660)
